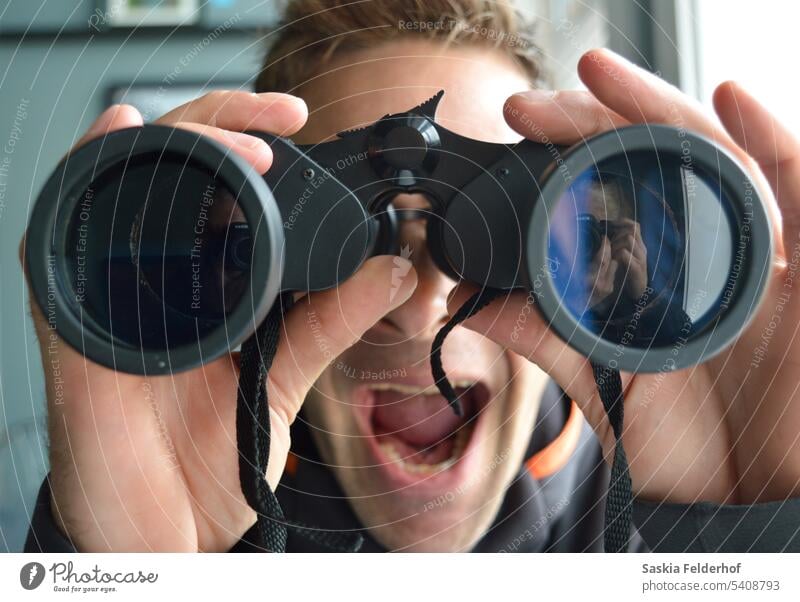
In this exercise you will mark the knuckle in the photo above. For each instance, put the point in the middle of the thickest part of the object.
(586, 118)
(213, 102)
(340, 338)
(216, 96)
(280, 401)
(597, 119)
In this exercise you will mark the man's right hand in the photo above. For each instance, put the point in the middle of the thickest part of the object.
(150, 463)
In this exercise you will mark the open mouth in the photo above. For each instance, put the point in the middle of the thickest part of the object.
(414, 430)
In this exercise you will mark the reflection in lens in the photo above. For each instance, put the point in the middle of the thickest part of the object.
(160, 253)
(641, 249)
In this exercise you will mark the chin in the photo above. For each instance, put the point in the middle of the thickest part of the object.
(455, 532)
(409, 521)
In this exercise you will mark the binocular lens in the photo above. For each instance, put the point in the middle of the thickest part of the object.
(158, 252)
(641, 249)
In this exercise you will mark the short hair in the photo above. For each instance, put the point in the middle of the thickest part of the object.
(312, 31)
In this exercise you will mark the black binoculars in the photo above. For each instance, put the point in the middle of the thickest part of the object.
(154, 249)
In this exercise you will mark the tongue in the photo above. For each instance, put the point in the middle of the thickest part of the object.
(419, 420)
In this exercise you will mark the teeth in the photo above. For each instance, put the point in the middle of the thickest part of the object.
(462, 439)
(414, 390)
(391, 452)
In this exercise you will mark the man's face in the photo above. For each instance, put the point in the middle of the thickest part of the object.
(416, 475)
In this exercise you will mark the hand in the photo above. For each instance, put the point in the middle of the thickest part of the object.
(726, 431)
(628, 250)
(601, 275)
(151, 463)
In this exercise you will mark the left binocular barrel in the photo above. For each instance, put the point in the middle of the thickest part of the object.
(143, 259)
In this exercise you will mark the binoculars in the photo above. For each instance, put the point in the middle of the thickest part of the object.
(153, 249)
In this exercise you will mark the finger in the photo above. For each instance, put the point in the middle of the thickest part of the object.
(639, 252)
(324, 324)
(642, 97)
(561, 117)
(626, 258)
(609, 277)
(605, 256)
(500, 321)
(280, 114)
(115, 117)
(769, 142)
(596, 264)
(595, 275)
(626, 240)
(251, 148)
(620, 229)
(625, 224)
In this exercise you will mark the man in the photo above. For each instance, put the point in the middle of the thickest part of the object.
(151, 464)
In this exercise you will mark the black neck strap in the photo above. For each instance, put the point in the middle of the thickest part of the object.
(619, 499)
(253, 441)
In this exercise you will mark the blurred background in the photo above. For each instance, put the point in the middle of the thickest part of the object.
(62, 63)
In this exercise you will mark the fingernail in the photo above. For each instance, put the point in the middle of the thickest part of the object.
(537, 96)
(246, 140)
(450, 297)
(102, 122)
(617, 57)
(287, 99)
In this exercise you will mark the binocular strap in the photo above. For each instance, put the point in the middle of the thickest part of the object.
(253, 441)
(619, 498)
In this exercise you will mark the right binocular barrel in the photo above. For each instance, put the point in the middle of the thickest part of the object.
(650, 249)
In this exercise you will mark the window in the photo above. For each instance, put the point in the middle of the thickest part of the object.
(756, 44)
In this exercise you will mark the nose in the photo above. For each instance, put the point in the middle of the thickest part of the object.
(425, 312)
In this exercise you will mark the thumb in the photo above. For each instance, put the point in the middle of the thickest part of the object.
(514, 322)
(322, 325)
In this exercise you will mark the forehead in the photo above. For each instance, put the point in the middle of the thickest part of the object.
(359, 87)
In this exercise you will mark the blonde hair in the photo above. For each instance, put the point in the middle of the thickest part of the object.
(313, 30)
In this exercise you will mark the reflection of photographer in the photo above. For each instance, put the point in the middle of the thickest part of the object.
(617, 258)
(614, 247)
(621, 295)
(150, 463)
